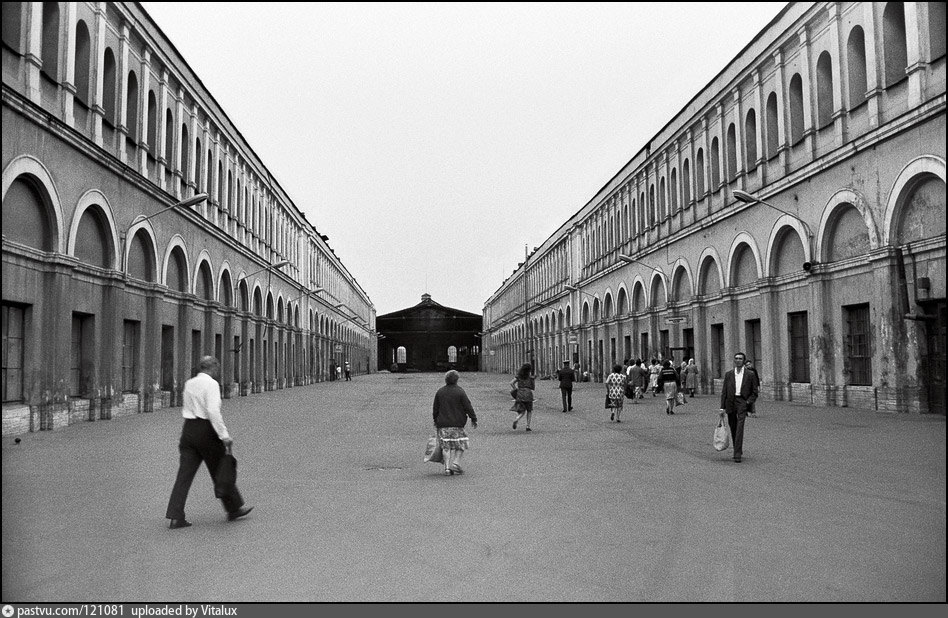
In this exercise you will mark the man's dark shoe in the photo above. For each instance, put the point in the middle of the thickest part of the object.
(244, 510)
(737, 460)
(179, 523)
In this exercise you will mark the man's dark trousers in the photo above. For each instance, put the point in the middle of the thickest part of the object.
(199, 442)
(736, 421)
(567, 394)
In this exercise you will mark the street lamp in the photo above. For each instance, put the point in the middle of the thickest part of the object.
(197, 199)
(631, 260)
(747, 198)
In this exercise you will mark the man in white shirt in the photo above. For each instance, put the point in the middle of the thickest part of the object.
(738, 394)
(204, 438)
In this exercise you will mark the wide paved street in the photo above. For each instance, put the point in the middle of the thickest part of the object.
(829, 504)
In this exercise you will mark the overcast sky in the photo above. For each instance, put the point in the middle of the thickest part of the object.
(432, 142)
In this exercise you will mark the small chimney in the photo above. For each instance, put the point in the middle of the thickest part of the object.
(425, 297)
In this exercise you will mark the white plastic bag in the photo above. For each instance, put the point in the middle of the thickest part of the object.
(722, 435)
(433, 450)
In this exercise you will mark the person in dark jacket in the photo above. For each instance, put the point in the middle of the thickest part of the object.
(450, 411)
(669, 381)
(566, 376)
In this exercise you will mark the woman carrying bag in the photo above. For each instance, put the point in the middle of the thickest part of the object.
(669, 381)
(450, 411)
(615, 389)
(524, 386)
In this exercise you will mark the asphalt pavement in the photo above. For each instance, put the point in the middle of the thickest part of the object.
(828, 504)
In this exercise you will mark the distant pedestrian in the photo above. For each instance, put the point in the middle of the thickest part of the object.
(637, 376)
(566, 376)
(204, 438)
(338, 372)
(653, 370)
(749, 366)
(740, 390)
(691, 376)
(669, 381)
(524, 384)
(451, 410)
(348, 369)
(615, 391)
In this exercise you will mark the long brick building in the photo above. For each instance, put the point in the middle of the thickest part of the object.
(113, 285)
(794, 209)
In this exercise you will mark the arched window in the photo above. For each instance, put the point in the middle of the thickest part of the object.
(662, 205)
(893, 42)
(643, 221)
(682, 289)
(856, 50)
(26, 218)
(796, 108)
(657, 298)
(686, 184)
(93, 242)
(82, 69)
(922, 214)
(141, 253)
(709, 281)
(652, 215)
(848, 234)
(699, 175)
(185, 142)
(715, 165)
(824, 90)
(773, 133)
(169, 139)
(152, 123)
(744, 268)
(198, 166)
(50, 51)
(209, 175)
(108, 86)
(12, 31)
(674, 191)
(936, 30)
(131, 105)
(226, 294)
(731, 173)
(220, 185)
(177, 271)
(788, 253)
(750, 141)
(205, 283)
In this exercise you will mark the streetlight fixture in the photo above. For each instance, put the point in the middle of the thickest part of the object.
(631, 260)
(191, 201)
(747, 198)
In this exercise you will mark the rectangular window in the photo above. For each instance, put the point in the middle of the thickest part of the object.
(688, 335)
(130, 347)
(717, 350)
(643, 346)
(167, 357)
(80, 355)
(13, 327)
(663, 342)
(627, 341)
(799, 347)
(195, 351)
(752, 339)
(858, 352)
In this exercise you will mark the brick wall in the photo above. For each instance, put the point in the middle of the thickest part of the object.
(16, 419)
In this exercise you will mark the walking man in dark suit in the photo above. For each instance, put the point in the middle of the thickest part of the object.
(566, 377)
(739, 393)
